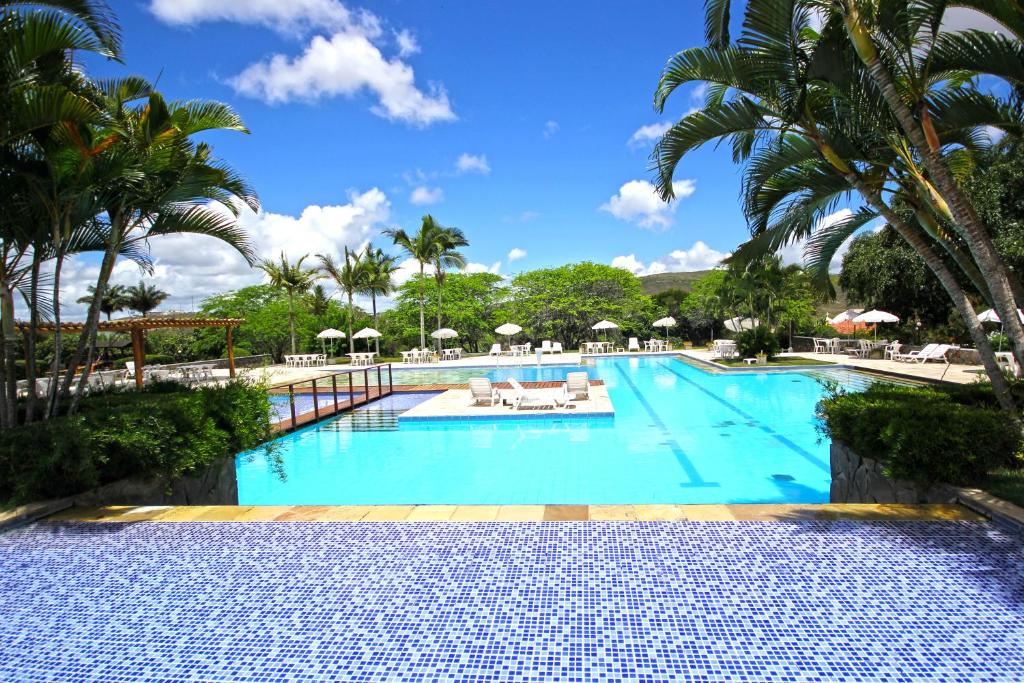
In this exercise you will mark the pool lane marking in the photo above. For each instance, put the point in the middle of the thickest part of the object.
(806, 455)
(684, 460)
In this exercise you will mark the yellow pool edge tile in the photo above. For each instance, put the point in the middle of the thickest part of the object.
(517, 513)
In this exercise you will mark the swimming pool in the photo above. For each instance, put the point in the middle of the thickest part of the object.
(679, 435)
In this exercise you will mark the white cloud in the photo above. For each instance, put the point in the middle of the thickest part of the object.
(494, 268)
(524, 217)
(472, 163)
(645, 135)
(637, 202)
(697, 94)
(193, 267)
(346, 64)
(966, 19)
(289, 17)
(407, 44)
(550, 128)
(698, 257)
(423, 195)
(515, 254)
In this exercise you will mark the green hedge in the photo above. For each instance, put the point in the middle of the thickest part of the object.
(166, 431)
(928, 435)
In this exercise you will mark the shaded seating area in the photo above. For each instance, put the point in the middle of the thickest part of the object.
(137, 328)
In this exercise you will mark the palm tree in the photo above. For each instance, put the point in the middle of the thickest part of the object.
(809, 144)
(380, 269)
(293, 279)
(446, 256)
(421, 246)
(115, 299)
(352, 276)
(144, 298)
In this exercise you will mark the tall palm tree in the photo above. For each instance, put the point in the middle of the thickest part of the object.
(421, 246)
(293, 279)
(351, 275)
(115, 298)
(811, 134)
(446, 256)
(144, 298)
(381, 268)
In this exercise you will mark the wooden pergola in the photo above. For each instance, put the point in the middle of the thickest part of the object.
(137, 328)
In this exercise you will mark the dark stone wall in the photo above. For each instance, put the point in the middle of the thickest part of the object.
(857, 479)
(217, 485)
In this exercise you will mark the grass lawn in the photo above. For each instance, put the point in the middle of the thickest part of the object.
(777, 362)
(1007, 484)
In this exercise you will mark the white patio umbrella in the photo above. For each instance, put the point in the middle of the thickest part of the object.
(508, 329)
(846, 316)
(876, 316)
(605, 325)
(990, 316)
(444, 333)
(665, 322)
(367, 333)
(739, 324)
(332, 334)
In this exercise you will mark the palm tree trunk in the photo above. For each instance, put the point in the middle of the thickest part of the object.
(376, 325)
(978, 241)
(30, 339)
(440, 286)
(351, 341)
(8, 381)
(291, 319)
(423, 330)
(53, 400)
(952, 287)
(87, 342)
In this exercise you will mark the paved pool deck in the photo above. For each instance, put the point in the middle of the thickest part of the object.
(458, 404)
(727, 601)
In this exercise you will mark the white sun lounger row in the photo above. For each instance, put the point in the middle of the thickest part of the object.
(575, 388)
(305, 360)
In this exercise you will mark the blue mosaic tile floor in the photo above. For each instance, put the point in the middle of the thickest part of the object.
(546, 602)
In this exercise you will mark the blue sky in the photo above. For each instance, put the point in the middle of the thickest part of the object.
(360, 115)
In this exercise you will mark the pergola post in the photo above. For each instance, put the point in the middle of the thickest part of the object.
(231, 351)
(139, 354)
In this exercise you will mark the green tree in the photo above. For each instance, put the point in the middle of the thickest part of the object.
(470, 305)
(704, 308)
(799, 109)
(881, 271)
(352, 276)
(563, 303)
(423, 246)
(114, 299)
(381, 269)
(293, 279)
(144, 298)
(446, 255)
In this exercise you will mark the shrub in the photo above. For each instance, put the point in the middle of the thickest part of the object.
(166, 431)
(757, 340)
(927, 435)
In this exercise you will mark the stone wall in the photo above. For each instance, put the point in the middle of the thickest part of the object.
(217, 485)
(856, 479)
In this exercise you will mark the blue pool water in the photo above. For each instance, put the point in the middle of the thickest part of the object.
(679, 435)
(280, 406)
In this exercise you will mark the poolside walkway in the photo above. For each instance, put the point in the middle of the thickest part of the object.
(793, 601)
(961, 374)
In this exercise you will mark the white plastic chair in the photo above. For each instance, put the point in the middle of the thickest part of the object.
(577, 386)
(634, 344)
(495, 350)
(480, 391)
(556, 347)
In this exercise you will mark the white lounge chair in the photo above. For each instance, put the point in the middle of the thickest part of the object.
(577, 386)
(523, 397)
(129, 370)
(495, 350)
(929, 352)
(634, 344)
(545, 346)
(556, 347)
(480, 390)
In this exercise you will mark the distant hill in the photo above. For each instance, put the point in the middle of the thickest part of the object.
(654, 284)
